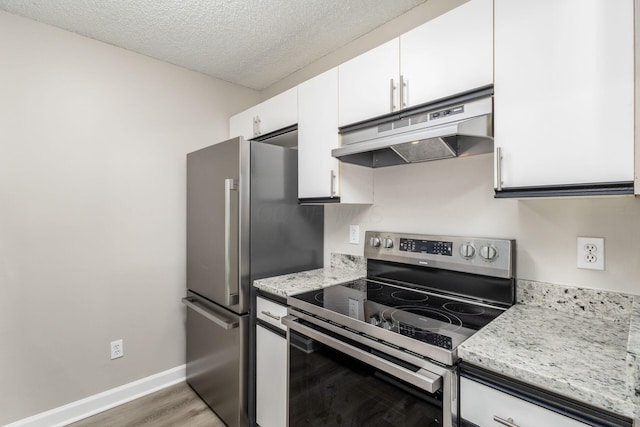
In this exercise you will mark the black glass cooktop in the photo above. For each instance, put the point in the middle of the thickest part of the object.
(424, 316)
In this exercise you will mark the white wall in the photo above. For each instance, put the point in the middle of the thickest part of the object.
(92, 220)
(455, 197)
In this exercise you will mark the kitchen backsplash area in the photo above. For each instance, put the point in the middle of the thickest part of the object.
(416, 199)
(350, 262)
(604, 304)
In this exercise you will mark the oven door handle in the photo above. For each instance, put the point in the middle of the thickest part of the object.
(422, 379)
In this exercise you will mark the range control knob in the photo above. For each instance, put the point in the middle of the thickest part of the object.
(374, 320)
(388, 243)
(467, 250)
(488, 252)
(385, 324)
(374, 242)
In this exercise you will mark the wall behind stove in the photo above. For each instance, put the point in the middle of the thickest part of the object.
(455, 197)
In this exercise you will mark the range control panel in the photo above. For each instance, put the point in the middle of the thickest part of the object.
(492, 257)
(434, 247)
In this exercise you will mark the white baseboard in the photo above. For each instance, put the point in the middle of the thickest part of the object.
(97, 403)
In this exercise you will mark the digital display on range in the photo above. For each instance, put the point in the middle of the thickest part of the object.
(426, 246)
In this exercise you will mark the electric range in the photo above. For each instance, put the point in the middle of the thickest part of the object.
(423, 295)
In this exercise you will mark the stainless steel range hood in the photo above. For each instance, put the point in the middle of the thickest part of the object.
(455, 127)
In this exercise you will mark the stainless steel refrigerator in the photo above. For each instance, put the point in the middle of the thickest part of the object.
(243, 223)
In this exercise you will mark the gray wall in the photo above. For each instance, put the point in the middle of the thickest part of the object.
(92, 226)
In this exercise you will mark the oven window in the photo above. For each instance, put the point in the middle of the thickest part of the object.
(329, 388)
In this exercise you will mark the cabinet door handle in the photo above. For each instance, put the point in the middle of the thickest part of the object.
(273, 316)
(256, 126)
(498, 168)
(508, 422)
(392, 89)
(403, 85)
(333, 183)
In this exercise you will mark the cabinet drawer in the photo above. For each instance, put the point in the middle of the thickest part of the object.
(271, 312)
(479, 404)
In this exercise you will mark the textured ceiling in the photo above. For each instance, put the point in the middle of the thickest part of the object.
(253, 43)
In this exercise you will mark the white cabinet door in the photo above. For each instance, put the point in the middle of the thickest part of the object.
(242, 124)
(273, 114)
(271, 378)
(321, 176)
(479, 404)
(564, 91)
(450, 54)
(366, 84)
(317, 136)
(278, 112)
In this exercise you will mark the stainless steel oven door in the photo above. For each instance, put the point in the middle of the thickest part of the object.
(337, 380)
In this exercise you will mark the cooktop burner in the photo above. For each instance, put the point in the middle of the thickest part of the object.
(420, 315)
(408, 296)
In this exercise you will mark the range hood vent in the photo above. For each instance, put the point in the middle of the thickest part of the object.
(455, 127)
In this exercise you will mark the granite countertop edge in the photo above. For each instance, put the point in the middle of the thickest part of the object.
(604, 381)
(295, 283)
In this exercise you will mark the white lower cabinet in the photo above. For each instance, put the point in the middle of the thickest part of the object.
(271, 366)
(485, 406)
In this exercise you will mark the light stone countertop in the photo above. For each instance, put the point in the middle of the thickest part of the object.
(295, 283)
(344, 268)
(586, 356)
(580, 343)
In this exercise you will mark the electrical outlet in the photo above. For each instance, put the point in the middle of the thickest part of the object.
(354, 234)
(591, 253)
(117, 349)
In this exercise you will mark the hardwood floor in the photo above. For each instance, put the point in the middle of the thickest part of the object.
(177, 405)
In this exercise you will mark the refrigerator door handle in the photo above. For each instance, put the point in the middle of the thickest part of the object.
(231, 237)
(191, 303)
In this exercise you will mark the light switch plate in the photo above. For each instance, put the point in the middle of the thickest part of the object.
(354, 234)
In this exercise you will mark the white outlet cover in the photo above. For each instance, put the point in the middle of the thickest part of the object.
(354, 234)
(596, 256)
(117, 349)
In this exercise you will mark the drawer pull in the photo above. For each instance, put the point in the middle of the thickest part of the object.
(508, 422)
(273, 316)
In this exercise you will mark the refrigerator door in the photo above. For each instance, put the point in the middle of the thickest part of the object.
(286, 237)
(214, 222)
(216, 358)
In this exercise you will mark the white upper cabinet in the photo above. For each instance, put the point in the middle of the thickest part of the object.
(273, 114)
(564, 96)
(242, 124)
(317, 136)
(320, 176)
(450, 54)
(368, 84)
